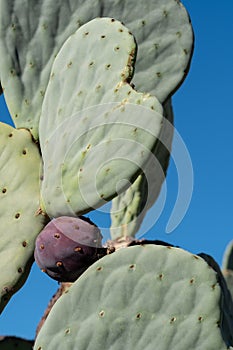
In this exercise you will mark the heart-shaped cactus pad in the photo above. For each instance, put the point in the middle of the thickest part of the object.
(96, 131)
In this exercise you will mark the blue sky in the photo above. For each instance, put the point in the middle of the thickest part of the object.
(204, 119)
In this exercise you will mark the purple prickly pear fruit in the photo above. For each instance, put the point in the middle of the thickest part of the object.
(67, 246)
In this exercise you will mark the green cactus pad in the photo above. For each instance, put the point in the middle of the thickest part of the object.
(165, 45)
(19, 200)
(31, 34)
(95, 135)
(33, 31)
(129, 208)
(226, 300)
(142, 297)
(12, 343)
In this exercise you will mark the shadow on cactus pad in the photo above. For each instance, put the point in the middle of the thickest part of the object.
(67, 246)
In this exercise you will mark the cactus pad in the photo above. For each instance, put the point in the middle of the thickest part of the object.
(95, 135)
(165, 45)
(33, 31)
(129, 208)
(141, 297)
(19, 200)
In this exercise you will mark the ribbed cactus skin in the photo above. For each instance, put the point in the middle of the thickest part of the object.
(141, 297)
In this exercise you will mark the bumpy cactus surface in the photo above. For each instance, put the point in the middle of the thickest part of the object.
(129, 208)
(88, 150)
(164, 51)
(25, 63)
(20, 221)
(66, 247)
(145, 297)
(95, 94)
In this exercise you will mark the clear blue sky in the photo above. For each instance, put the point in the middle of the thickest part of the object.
(204, 119)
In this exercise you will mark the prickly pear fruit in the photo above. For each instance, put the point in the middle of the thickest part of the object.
(67, 246)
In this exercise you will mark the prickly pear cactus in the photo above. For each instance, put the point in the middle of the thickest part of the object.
(67, 246)
(99, 138)
(159, 39)
(165, 46)
(168, 45)
(129, 208)
(12, 343)
(73, 89)
(144, 297)
(226, 300)
(20, 222)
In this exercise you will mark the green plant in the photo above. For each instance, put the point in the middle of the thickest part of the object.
(95, 97)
